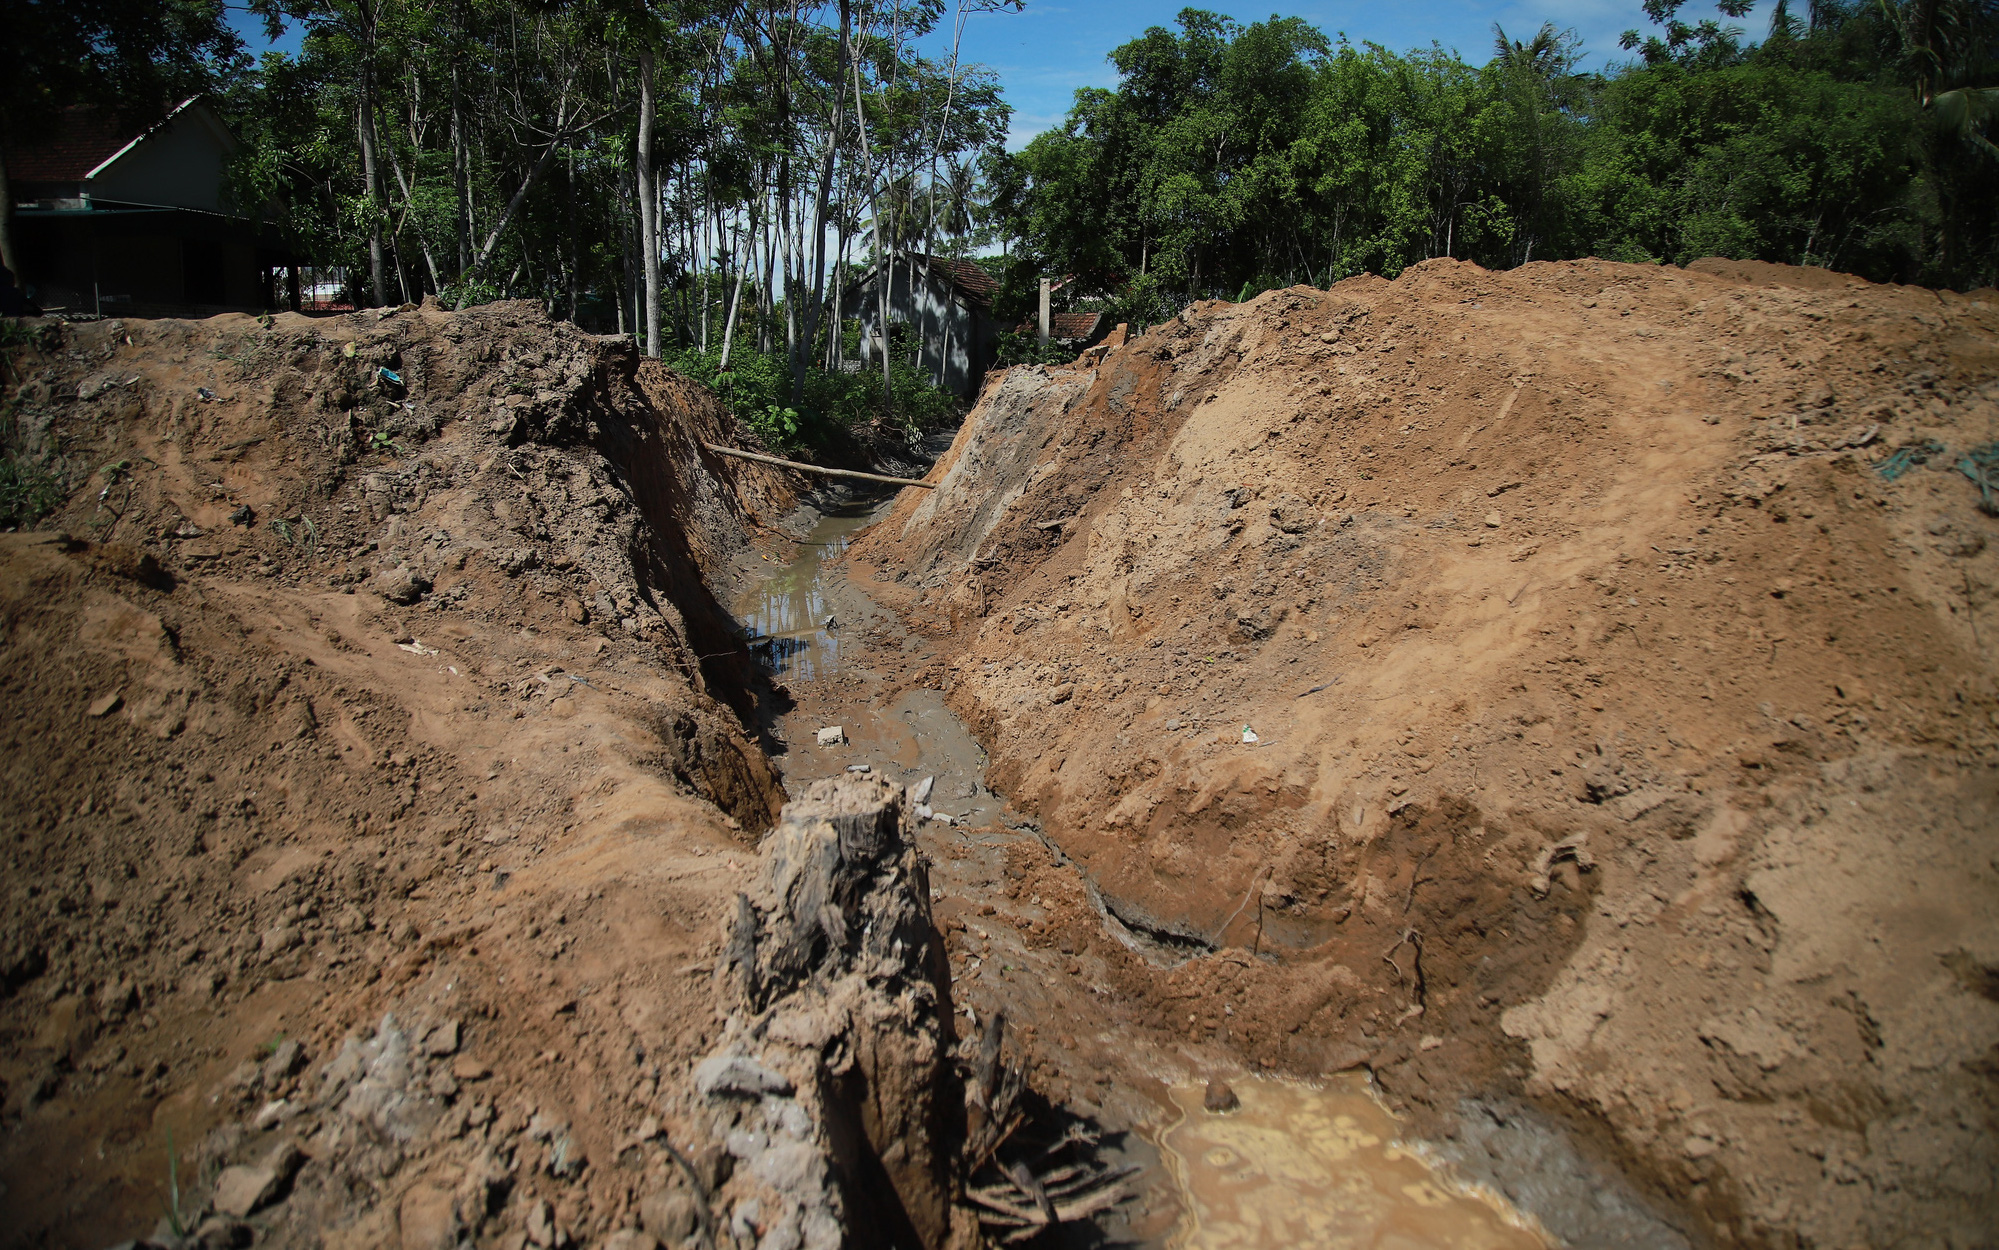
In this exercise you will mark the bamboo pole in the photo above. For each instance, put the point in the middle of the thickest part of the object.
(813, 468)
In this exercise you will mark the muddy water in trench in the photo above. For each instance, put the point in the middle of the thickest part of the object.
(1294, 1165)
(789, 617)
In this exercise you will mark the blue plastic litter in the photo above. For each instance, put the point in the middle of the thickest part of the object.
(1907, 457)
(1981, 465)
(393, 376)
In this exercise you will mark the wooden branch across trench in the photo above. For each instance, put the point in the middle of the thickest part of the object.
(813, 468)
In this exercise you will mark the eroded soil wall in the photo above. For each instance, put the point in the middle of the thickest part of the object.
(377, 761)
(1572, 683)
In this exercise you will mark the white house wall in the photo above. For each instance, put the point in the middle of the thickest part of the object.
(950, 332)
(180, 164)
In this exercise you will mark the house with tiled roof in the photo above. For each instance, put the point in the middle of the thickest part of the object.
(115, 217)
(1071, 329)
(939, 308)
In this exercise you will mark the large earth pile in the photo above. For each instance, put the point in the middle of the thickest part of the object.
(377, 767)
(1572, 684)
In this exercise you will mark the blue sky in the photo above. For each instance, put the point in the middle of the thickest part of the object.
(1044, 53)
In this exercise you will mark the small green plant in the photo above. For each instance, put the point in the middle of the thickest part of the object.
(174, 1218)
(14, 333)
(29, 491)
(298, 532)
(776, 426)
(267, 1049)
(380, 441)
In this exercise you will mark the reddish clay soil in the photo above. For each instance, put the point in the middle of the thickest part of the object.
(331, 698)
(1625, 725)
(1566, 695)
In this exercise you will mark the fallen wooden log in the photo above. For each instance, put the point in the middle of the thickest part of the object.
(760, 458)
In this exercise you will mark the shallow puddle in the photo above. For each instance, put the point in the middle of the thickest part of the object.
(1302, 1166)
(786, 615)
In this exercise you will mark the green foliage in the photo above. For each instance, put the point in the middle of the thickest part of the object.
(15, 333)
(1231, 159)
(29, 490)
(757, 389)
(1012, 348)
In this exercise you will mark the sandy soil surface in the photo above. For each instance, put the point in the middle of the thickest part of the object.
(1566, 692)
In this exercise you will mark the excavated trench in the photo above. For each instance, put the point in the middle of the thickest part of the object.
(390, 785)
(1222, 1155)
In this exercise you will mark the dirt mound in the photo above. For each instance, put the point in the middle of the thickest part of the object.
(377, 762)
(1573, 683)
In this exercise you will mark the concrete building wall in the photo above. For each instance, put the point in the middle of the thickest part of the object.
(956, 342)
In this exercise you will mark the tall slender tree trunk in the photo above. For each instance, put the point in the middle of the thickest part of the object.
(648, 205)
(364, 120)
(7, 256)
(735, 306)
(564, 122)
(821, 195)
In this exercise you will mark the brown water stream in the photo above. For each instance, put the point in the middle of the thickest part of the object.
(787, 616)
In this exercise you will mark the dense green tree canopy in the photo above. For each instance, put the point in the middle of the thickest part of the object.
(1232, 158)
(713, 175)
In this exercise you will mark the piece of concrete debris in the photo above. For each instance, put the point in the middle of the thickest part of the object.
(400, 585)
(1220, 1098)
(427, 1218)
(286, 1058)
(242, 1189)
(1492, 520)
(920, 792)
(105, 704)
(670, 1215)
(541, 1224)
(566, 1159)
(860, 768)
(442, 1040)
(630, 1239)
(832, 735)
(272, 1114)
(737, 1074)
(466, 1068)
